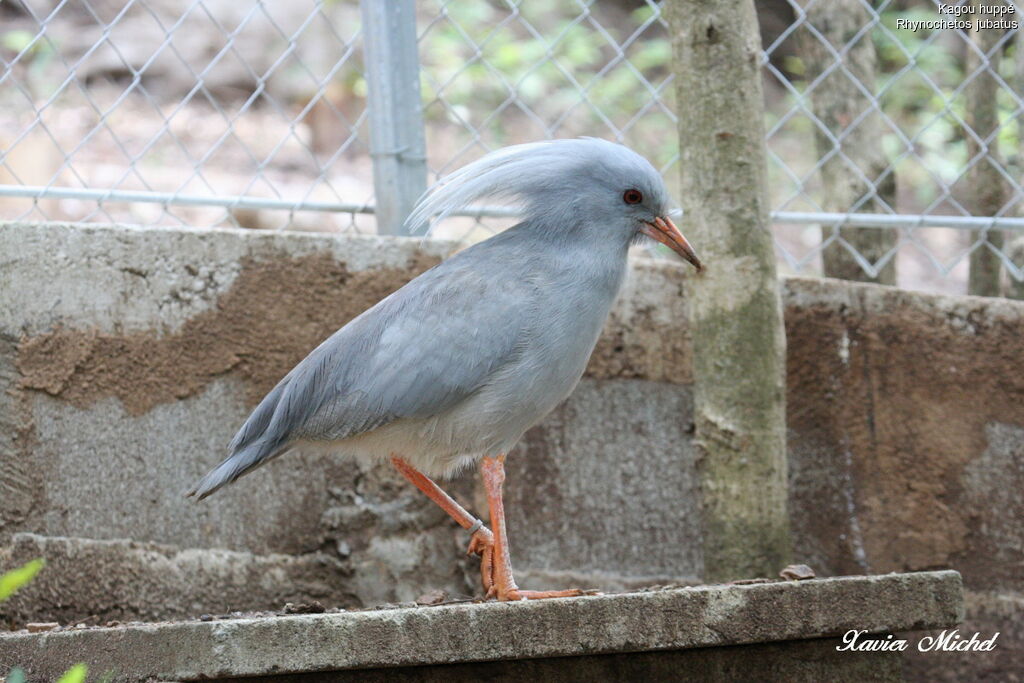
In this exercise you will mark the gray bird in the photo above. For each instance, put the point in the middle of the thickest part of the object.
(455, 366)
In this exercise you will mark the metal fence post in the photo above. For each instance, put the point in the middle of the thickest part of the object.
(395, 109)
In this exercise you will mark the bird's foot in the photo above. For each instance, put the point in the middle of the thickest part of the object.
(504, 588)
(482, 544)
(517, 594)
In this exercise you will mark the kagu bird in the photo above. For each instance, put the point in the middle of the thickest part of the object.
(455, 366)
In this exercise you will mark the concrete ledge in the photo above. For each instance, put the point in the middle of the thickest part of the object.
(132, 581)
(675, 619)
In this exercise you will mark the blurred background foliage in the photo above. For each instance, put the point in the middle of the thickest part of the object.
(564, 66)
(498, 72)
(269, 100)
(567, 67)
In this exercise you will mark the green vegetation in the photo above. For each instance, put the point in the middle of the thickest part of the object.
(17, 578)
(920, 88)
(554, 66)
(12, 581)
(517, 71)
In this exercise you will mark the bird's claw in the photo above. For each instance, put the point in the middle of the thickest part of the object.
(513, 594)
(482, 544)
(504, 588)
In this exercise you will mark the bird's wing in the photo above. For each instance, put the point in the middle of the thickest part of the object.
(414, 355)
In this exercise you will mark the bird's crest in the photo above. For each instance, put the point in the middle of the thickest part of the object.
(523, 176)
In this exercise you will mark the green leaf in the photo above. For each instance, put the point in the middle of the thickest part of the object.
(16, 40)
(16, 578)
(75, 674)
(794, 65)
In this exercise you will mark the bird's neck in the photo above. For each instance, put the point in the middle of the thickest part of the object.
(571, 233)
(582, 257)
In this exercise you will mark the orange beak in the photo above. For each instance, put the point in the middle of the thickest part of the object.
(665, 231)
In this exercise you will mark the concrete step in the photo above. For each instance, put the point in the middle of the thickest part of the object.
(770, 631)
(96, 581)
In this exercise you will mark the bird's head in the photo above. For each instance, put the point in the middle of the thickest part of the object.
(588, 187)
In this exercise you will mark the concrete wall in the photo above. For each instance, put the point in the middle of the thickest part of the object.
(906, 417)
(128, 358)
(131, 356)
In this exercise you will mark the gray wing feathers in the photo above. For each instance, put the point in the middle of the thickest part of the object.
(415, 354)
(248, 458)
(413, 357)
(257, 423)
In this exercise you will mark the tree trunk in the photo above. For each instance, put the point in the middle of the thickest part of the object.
(734, 308)
(986, 192)
(1016, 254)
(1015, 251)
(854, 171)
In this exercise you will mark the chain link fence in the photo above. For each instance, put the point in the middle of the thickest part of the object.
(895, 144)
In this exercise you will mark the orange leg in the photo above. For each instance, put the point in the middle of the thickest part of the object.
(504, 585)
(482, 542)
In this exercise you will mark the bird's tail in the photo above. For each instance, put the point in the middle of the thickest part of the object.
(245, 460)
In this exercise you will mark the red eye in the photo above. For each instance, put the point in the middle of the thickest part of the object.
(632, 196)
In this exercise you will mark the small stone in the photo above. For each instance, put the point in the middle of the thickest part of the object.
(315, 607)
(434, 597)
(205, 617)
(40, 626)
(797, 572)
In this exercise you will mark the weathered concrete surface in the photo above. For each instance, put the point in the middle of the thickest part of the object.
(987, 613)
(658, 620)
(906, 418)
(308, 502)
(906, 423)
(181, 330)
(907, 447)
(128, 580)
(125, 377)
(793, 661)
(603, 491)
